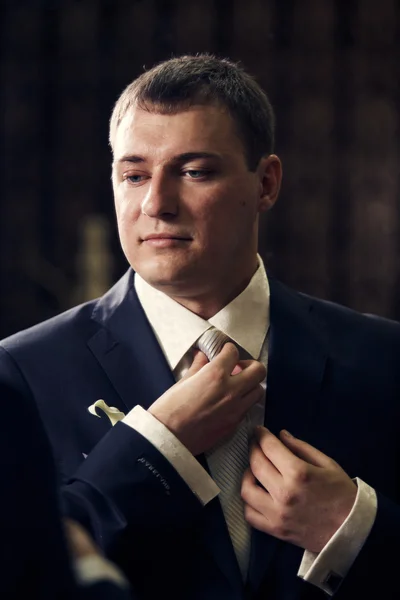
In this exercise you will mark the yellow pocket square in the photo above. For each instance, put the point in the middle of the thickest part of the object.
(112, 413)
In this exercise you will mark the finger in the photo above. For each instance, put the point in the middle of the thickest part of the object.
(254, 495)
(227, 358)
(305, 451)
(250, 377)
(247, 400)
(199, 361)
(279, 455)
(263, 469)
(242, 364)
(248, 479)
(251, 493)
(245, 364)
(256, 519)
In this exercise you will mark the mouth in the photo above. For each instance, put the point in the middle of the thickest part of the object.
(165, 240)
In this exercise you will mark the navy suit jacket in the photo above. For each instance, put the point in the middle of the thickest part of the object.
(333, 380)
(33, 558)
(34, 562)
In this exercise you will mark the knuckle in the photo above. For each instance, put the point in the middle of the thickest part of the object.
(255, 461)
(257, 393)
(266, 445)
(303, 473)
(244, 492)
(282, 516)
(282, 524)
(261, 371)
(247, 513)
(281, 531)
(300, 475)
(288, 498)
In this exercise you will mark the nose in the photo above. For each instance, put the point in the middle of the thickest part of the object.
(161, 199)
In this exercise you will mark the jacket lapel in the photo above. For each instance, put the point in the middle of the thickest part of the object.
(296, 365)
(126, 347)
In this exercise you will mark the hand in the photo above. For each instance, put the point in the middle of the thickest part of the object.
(306, 495)
(210, 401)
(79, 541)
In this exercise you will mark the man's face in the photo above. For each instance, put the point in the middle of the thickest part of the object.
(187, 205)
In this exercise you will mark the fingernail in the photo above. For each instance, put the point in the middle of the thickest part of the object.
(259, 430)
(287, 433)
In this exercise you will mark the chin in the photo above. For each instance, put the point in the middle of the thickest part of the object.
(173, 270)
(160, 274)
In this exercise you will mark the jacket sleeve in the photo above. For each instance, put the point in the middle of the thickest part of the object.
(124, 481)
(127, 481)
(33, 554)
(104, 590)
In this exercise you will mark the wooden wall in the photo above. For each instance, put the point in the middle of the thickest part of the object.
(331, 68)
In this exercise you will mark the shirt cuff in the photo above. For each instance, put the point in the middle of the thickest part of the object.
(327, 568)
(184, 463)
(93, 569)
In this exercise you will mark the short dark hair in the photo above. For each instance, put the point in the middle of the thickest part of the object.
(181, 82)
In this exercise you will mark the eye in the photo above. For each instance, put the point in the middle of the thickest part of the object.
(135, 178)
(196, 173)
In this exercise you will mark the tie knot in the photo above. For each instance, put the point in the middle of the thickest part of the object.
(211, 342)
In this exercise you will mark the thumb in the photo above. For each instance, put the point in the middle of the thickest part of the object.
(305, 451)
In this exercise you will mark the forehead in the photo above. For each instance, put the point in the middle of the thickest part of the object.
(195, 129)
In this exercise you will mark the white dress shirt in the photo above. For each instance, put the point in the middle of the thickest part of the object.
(246, 321)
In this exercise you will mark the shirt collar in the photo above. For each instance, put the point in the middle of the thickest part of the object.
(245, 320)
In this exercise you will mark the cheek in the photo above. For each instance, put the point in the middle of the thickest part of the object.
(235, 206)
(123, 222)
(127, 210)
(213, 213)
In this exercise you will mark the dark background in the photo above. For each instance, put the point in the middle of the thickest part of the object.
(331, 68)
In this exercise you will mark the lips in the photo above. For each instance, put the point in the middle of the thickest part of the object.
(165, 241)
(165, 236)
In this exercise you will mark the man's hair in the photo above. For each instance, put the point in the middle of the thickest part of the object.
(185, 81)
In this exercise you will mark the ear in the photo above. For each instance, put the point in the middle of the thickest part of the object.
(270, 174)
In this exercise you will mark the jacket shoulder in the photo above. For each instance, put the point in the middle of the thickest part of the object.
(339, 314)
(352, 334)
(60, 325)
(348, 331)
(75, 323)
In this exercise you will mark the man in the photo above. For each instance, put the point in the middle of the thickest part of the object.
(35, 562)
(193, 168)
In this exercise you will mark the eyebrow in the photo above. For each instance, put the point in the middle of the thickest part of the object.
(185, 157)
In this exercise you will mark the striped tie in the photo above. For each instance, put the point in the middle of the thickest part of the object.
(227, 462)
